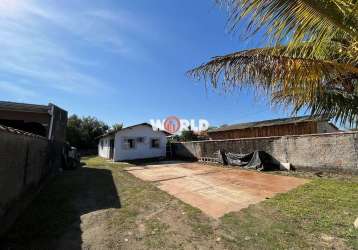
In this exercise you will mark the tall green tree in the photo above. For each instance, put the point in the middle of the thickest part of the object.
(83, 132)
(309, 62)
(73, 131)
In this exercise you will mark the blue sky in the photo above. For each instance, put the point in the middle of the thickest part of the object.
(122, 61)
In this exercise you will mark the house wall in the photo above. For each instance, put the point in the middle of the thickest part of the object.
(104, 151)
(25, 162)
(142, 150)
(335, 151)
(276, 130)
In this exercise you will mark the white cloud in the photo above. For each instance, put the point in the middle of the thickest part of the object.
(16, 90)
(100, 27)
(43, 46)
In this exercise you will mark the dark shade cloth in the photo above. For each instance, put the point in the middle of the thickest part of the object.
(259, 160)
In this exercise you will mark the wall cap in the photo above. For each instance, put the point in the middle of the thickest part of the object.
(274, 137)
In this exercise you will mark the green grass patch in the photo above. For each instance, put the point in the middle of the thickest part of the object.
(323, 207)
(318, 214)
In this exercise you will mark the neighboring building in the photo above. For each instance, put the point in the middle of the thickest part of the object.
(277, 127)
(32, 148)
(132, 143)
(48, 121)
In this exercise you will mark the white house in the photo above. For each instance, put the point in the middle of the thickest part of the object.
(134, 142)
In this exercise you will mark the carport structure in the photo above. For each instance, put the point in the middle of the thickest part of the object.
(215, 190)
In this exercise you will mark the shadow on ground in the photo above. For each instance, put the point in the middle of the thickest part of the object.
(53, 219)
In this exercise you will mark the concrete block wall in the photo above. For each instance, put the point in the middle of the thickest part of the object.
(24, 164)
(334, 151)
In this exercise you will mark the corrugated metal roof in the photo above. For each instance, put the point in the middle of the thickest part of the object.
(23, 107)
(266, 123)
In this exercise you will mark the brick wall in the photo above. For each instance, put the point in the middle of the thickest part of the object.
(335, 151)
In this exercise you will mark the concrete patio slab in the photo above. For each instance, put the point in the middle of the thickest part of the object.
(215, 190)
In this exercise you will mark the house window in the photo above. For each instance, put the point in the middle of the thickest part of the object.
(140, 139)
(129, 143)
(101, 144)
(155, 143)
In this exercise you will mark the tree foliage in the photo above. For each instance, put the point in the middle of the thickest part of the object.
(310, 61)
(188, 135)
(185, 135)
(117, 126)
(83, 132)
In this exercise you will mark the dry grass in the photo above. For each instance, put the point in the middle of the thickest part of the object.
(101, 206)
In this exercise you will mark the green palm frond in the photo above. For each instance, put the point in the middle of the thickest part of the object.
(332, 103)
(300, 82)
(295, 21)
(337, 104)
(312, 64)
(267, 69)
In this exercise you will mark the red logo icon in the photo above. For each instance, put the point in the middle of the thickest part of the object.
(172, 124)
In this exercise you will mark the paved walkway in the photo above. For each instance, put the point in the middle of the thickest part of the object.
(214, 190)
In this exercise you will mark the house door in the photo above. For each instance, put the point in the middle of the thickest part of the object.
(111, 148)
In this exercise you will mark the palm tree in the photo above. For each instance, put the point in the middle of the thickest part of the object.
(310, 61)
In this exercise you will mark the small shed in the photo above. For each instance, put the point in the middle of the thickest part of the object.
(277, 127)
(132, 143)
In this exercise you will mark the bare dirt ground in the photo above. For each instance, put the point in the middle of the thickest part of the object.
(102, 206)
(215, 190)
